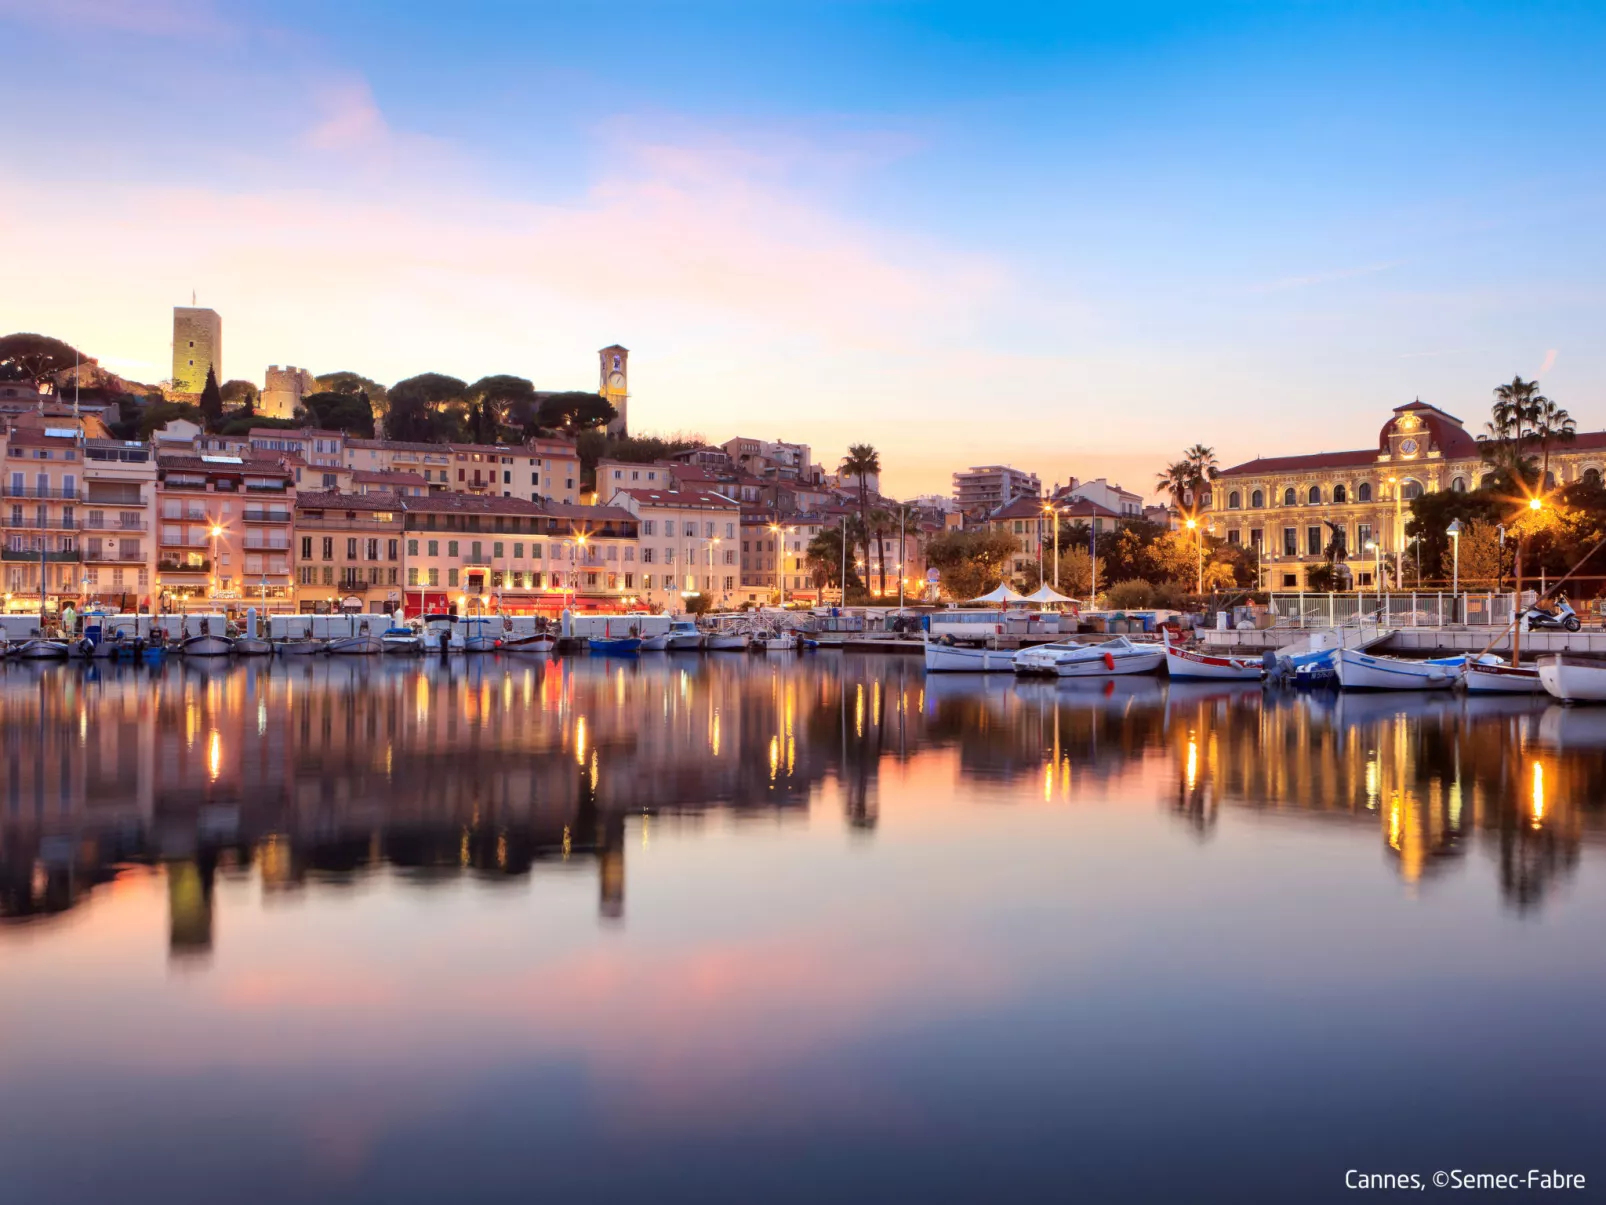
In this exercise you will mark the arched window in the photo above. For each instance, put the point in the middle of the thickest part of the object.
(1315, 495)
(1257, 499)
(1289, 497)
(1410, 489)
(1339, 494)
(1363, 492)
(1592, 478)
(1550, 481)
(1235, 500)
(1459, 485)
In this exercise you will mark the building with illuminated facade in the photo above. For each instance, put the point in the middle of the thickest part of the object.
(348, 548)
(224, 530)
(689, 542)
(1290, 508)
(42, 491)
(197, 346)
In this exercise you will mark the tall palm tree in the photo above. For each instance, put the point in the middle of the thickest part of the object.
(1202, 466)
(880, 519)
(863, 462)
(1176, 480)
(1549, 422)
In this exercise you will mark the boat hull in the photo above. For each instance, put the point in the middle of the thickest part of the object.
(1501, 680)
(531, 644)
(300, 648)
(1363, 671)
(207, 646)
(615, 648)
(684, 644)
(1573, 681)
(402, 644)
(253, 646)
(43, 650)
(1111, 666)
(967, 659)
(355, 646)
(480, 644)
(725, 644)
(655, 644)
(1183, 663)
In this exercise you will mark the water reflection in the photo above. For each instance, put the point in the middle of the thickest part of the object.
(327, 771)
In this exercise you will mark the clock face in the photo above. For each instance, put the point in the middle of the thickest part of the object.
(1407, 447)
(616, 381)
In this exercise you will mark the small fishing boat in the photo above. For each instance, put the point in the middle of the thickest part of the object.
(655, 644)
(41, 649)
(784, 642)
(1365, 671)
(361, 643)
(303, 645)
(440, 633)
(944, 656)
(401, 639)
(1490, 675)
(684, 636)
(478, 636)
(615, 646)
(1071, 660)
(253, 646)
(725, 642)
(154, 650)
(1572, 679)
(1185, 663)
(540, 642)
(205, 643)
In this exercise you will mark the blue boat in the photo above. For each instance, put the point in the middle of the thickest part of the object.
(615, 645)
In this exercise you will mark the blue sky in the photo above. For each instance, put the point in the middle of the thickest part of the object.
(1076, 239)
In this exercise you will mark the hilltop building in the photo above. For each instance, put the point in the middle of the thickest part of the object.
(283, 389)
(197, 346)
(615, 385)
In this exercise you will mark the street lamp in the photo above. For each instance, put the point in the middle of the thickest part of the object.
(216, 532)
(783, 532)
(1193, 526)
(1376, 550)
(1454, 532)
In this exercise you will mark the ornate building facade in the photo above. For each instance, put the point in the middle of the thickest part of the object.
(1291, 508)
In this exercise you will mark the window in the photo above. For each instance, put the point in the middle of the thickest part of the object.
(1291, 581)
(730, 557)
(1591, 478)
(434, 577)
(730, 531)
(412, 577)
(1413, 489)
(475, 553)
(328, 548)
(451, 551)
(1315, 495)
(1363, 492)
(451, 577)
(1257, 499)
(1363, 536)
(1235, 500)
(1339, 495)
(391, 549)
(1290, 541)
(1459, 485)
(730, 583)
(328, 575)
(1313, 541)
(1289, 497)
(1235, 537)
(351, 548)
(646, 556)
(434, 547)
(507, 477)
(689, 529)
(306, 548)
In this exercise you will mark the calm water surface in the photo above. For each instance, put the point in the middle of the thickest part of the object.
(739, 928)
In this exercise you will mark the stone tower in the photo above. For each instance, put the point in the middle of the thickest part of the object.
(197, 346)
(615, 385)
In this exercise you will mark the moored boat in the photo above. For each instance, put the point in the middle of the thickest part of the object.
(1495, 678)
(41, 649)
(783, 642)
(253, 646)
(1186, 663)
(684, 636)
(206, 645)
(1573, 680)
(1366, 671)
(361, 643)
(1070, 660)
(541, 642)
(655, 644)
(945, 657)
(478, 636)
(725, 642)
(302, 644)
(401, 639)
(614, 645)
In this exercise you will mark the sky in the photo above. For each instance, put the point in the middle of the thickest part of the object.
(1072, 238)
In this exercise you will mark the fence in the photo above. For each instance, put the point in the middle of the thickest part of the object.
(1413, 610)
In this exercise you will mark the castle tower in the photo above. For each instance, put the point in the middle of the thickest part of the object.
(615, 385)
(197, 346)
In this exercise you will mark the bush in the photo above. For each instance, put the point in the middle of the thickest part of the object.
(699, 604)
(1132, 595)
(1173, 596)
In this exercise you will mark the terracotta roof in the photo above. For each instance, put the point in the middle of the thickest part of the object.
(1020, 508)
(597, 514)
(335, 500)
(24, 437)
(396, 445)
(294, 432)
(698, 498)
(472, 504)
(1293, 464)
(1080, 507)
(195, 464)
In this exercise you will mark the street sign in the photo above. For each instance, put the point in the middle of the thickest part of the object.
(933, 576)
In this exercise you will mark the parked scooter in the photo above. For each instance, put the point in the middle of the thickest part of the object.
(1563, 618)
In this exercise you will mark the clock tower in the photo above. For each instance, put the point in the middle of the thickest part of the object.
(614, 385)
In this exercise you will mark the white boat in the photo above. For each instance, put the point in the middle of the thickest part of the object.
(1573, 680)
(253, 646)
(441, 634)
(684, 636)
(206, 645)
(1365, 671)
(725, 642)
(363, 644)
(1185, 663)
(1069, 660)
(945, 658)
(303, 645)
(401, 640)
(1491, 676)
(540, 642)
(655, 644)
(479, 636)
(40, 649)
(785, 642)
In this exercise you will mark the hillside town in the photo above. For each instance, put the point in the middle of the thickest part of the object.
(326, 494)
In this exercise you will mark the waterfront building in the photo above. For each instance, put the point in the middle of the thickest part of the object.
(408, 485)
(224, 530)
(283, 389)
(1023, 521)
(688, 545)
(480, 550)
(348, 551)
(1292, 508)
(197, 346)
(118, 547)
(983, 489)
(773, 458)
(42, 492)
(774, 554)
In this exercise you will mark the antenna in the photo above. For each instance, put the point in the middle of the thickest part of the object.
(192, 298)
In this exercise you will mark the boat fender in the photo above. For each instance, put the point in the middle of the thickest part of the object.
(1109, 661)
(998, 629)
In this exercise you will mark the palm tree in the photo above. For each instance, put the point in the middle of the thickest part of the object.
(1202, 469)
(880, 520)
(1176, 480)
(1548, 422)
(863, 462)
(1512, 421)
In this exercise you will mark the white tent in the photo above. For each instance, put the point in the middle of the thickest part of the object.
(1001, 595)
(1046, 594)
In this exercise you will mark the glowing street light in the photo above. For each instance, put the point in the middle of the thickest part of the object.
(1454, 532)
(1193, 526)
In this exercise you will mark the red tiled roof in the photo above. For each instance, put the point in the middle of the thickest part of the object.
(596, 514)
(698, 498)
(472, 504)
(1293, 464)
(195, 464)
(1020, 508)
(335, 500)
(1086, 506)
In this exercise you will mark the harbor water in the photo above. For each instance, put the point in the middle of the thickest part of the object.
(783, 928)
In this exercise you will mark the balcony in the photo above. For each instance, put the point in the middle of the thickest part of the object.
(32, 523)
(166, 565)
(23, 491)
(114, 556)
(34, 557)
(113, 528)
(255, 515)
(267, 545)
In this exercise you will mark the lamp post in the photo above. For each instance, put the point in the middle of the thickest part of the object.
(216, 532)
(903, 549)
(1399, 533)
(1377, 570)
(712, 545)
(1535, 505)
(1193, 526)
(1454, 532)
(1093, 560)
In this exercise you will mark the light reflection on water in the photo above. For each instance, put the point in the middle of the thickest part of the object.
(779, 928)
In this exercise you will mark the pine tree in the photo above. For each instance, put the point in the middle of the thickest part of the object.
(211, 401)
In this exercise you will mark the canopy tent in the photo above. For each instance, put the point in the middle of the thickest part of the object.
(1046, 594)
(1001, 595)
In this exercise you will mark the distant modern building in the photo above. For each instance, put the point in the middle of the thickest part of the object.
(283, 389)
(982, 489)
(197, 346)
(615, 385)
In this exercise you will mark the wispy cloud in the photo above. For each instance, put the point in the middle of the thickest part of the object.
(1550, 362)
(1322, 278)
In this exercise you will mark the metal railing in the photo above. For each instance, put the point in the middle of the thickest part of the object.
(1416, 609)
(28, 491)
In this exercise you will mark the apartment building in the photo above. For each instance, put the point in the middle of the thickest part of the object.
(224, 530)
(432, 462)
(348, 547)
(689, 545)
(117, 542)
(507, 554)
(42, 491)
(982, 489)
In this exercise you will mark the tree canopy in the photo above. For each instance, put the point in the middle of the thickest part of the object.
(238, 393)
(349, 412)
(970, 563)
(211, 400)
(573, 411)
(35, 358)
